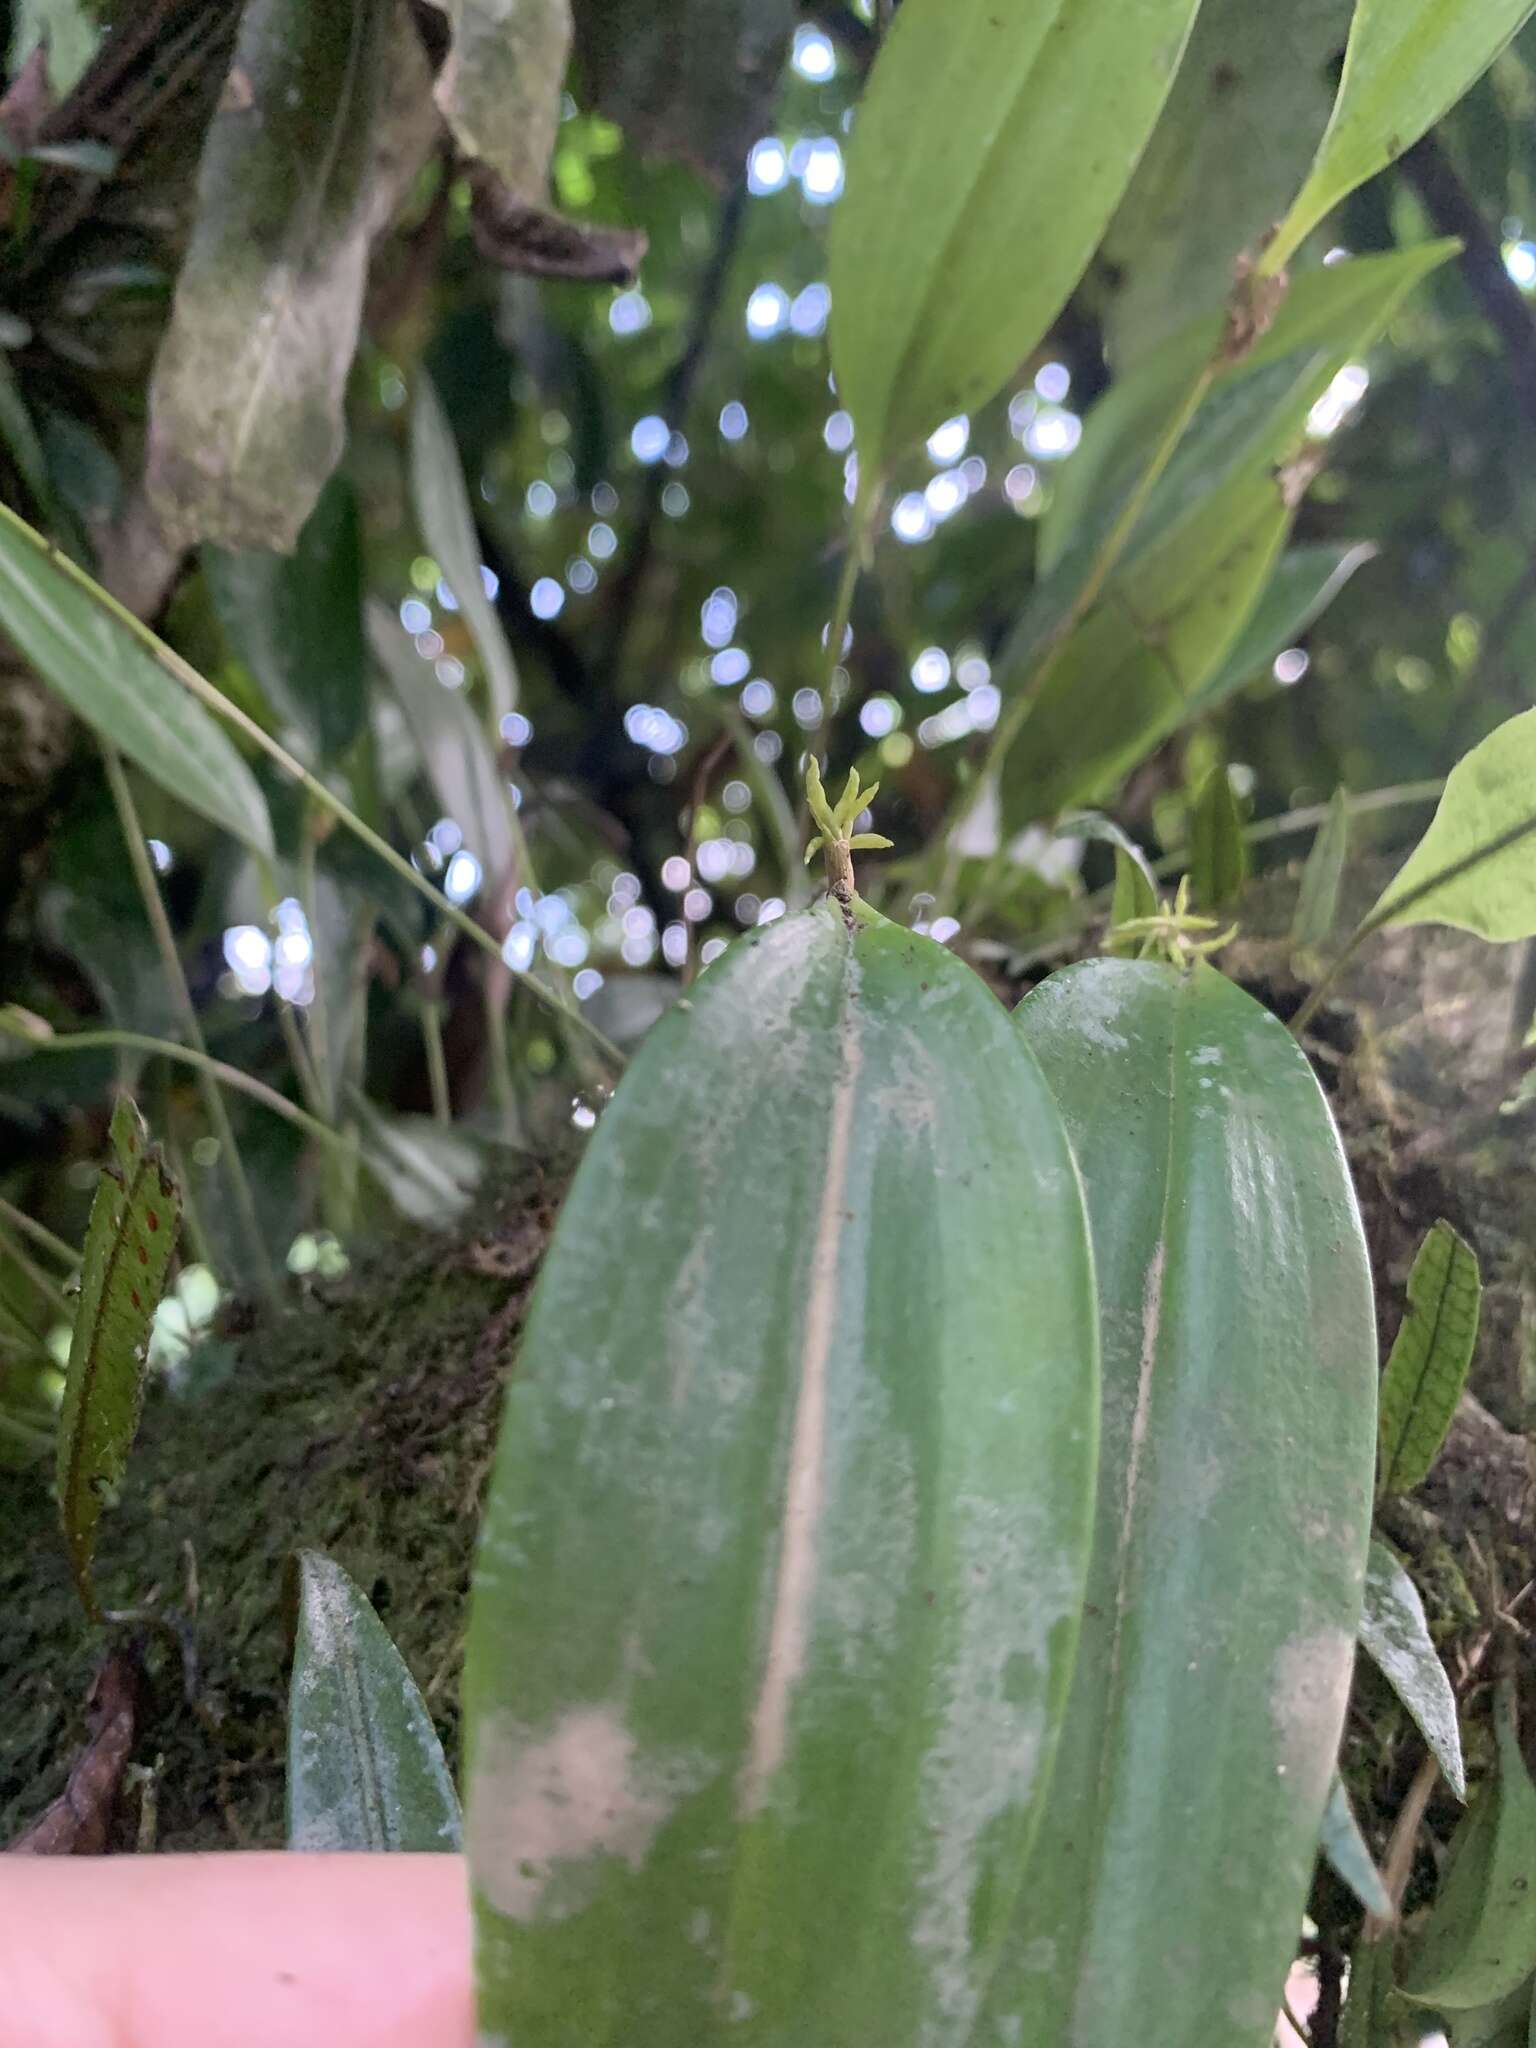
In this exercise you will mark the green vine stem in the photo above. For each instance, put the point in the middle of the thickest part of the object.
(192, 1030)
(182, 671)
(40, 1038)
(49, 1288)
(40, 1234)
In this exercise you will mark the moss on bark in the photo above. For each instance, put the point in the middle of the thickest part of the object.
(362, 1426)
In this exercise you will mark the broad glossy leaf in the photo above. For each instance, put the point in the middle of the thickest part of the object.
(1349, 1853)
(1145, 656)
(1233, 1517)
(296, 621)
(983, 131)
(693, 79)
(365, 1767)
(1483, 838)
(448, 527)
(455, 752)
(107, 677)
(499, 85)
(1395, 1636)
(1304, 584)
(325, 121)
(1406, 63)
(1317, 901)
(782, 1563)
(1480, 1941)
(1246, 112)
(128, 1246)
(1218, 853)
(1427, 1367)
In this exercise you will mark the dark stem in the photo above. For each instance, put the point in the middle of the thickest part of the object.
(1454, 211)
(1326, 2014)
(630, 586)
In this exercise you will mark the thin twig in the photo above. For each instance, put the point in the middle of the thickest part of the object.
(437, 1064)
(25, 1264)
(39, 1233)
(629, 587)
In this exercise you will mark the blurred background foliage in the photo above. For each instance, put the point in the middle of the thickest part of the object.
(555, 624)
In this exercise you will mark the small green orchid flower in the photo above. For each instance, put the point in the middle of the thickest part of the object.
(835, 836)
(1174, 931)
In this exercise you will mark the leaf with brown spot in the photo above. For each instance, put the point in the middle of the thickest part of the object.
(122, 1276)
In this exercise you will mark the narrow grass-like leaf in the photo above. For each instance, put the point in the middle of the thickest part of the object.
(1475, 867)
(1218, 853)
(455, 752)
(1427, 1367)
(782, 1562)
(1317, 901)
(20, 436)
(128, 1245)
(1135, 895)
(1480, 1941)
(1236, 1305)
(365, 1767)
(1395, 1636)
(1349, 1853)
(983, 131)
(1135, 889)
(109, 679)
(448, 527)
(1406, 63)
(1305, 583)
(296, 621)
